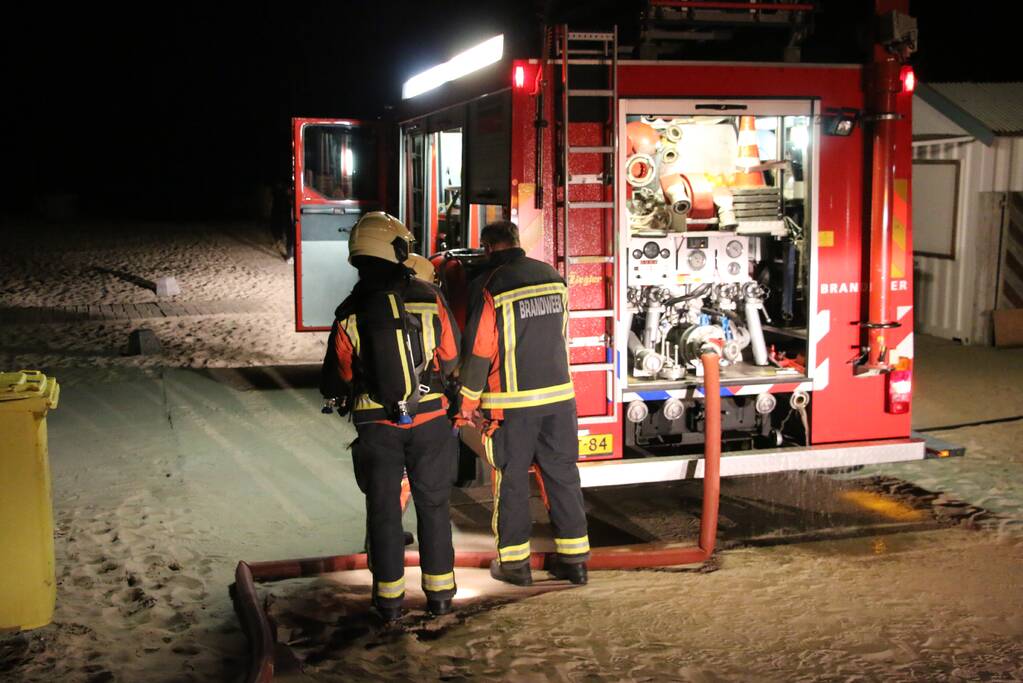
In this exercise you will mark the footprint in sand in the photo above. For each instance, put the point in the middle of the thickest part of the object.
(173, 620)
(129, 602)
(84, 581)
(185, 581)
(186, 597)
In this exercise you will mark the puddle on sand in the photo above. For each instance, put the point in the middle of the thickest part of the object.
(895, 542)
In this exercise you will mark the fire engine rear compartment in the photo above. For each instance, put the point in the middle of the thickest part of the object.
(823, 195)
(715, 237)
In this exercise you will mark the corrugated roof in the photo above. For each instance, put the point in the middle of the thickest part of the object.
(999, 106)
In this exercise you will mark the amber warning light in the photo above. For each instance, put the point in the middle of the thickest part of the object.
(900, 387)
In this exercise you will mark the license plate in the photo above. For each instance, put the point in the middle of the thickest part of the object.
(596, 444)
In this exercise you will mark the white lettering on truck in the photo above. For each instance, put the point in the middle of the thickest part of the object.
(854, 287)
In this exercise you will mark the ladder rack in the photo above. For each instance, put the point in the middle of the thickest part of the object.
(590, 50)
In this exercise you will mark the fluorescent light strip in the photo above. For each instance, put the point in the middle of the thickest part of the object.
(473, 59)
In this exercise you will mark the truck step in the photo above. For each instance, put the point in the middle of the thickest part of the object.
(591, 205)
(591, 36)
(592, 313)
(598, 420)
(591, 367)
(587, 179)
(589, 342)
(579, 260)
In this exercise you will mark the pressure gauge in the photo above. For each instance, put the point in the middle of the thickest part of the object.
(651, 249)
(637, 253)
(734, 268)
(734, 249)
(665, 253)
(697, 259)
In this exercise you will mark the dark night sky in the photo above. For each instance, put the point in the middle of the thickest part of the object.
(173, 111)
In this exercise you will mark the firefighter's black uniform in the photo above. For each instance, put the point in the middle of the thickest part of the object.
(515, 368)
(425, 449)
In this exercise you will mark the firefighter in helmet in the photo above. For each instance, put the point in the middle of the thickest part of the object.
(422, 268)
(515, 371)
(392, 348)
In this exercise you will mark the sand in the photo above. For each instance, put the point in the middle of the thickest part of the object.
(168, 469)
(928, 606)
(234, 266)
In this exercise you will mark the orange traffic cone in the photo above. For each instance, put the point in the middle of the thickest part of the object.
(749, 155)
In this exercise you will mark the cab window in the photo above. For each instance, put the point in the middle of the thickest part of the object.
(341, 162)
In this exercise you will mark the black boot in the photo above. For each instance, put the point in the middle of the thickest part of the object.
(388, 613)
(576, 572)
(520, 576)
(438, 606)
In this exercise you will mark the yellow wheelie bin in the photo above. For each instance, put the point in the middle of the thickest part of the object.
(27, 579)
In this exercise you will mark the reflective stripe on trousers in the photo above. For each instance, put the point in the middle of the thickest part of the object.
(433, 583)
(572, 546)
(389, 589)
(514, 553)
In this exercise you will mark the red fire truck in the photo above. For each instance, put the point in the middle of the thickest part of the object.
(735, 237)
(762, 207)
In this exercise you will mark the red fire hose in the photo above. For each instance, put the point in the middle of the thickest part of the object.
(260, 634)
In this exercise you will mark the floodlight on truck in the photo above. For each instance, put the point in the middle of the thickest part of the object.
(462, 64)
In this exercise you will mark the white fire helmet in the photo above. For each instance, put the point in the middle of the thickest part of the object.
(381, 235)
(422, 267)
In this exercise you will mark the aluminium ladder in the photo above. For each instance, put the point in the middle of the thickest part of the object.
(588, 50)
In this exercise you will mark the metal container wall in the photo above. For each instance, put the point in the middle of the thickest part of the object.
(955, 296)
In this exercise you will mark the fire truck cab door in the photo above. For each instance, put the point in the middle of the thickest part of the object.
(338, 168)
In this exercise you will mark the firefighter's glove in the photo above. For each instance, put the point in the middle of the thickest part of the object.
(488, 427)
(464, 418)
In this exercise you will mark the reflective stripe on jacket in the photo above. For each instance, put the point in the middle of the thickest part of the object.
(514, 349)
